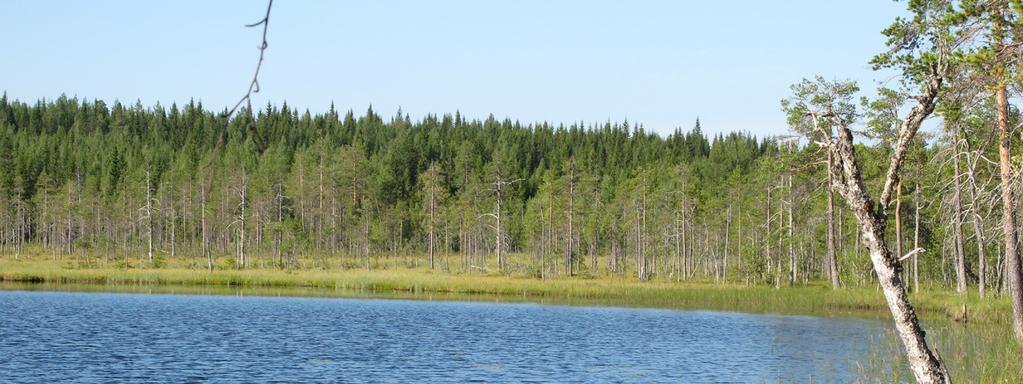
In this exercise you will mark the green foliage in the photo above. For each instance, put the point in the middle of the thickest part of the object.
(354, 187)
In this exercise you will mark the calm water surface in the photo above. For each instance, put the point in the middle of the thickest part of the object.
(103, 337)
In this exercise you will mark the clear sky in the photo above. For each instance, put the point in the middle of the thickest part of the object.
(660, 63)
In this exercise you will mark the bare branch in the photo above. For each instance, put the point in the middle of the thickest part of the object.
(911, 254)
(254, 84)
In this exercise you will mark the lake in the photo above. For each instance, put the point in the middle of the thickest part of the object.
(103, 337)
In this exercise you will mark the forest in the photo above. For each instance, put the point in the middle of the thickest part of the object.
(135, 185)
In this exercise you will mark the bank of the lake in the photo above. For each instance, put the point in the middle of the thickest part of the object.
(978, 348)
(810, 299)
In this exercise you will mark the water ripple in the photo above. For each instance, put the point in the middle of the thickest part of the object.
(93, 338)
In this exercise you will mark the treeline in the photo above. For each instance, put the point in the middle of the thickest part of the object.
(135, 185)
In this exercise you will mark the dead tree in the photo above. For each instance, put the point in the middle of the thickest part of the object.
(831, 255)
(957, 214)
(792, 252)
(570, 252)
(977, 220)
(148, 209)
(204, 242)
(499, 188)
(916, 238)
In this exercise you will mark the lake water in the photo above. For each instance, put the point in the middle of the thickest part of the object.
(104, 337)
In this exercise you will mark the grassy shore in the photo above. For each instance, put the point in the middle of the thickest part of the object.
(979, 349)
(814, 298)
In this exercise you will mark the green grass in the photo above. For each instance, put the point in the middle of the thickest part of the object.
(978, 350)
(815, 298)
(973, 353)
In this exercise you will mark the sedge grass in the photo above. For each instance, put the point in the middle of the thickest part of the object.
(814, 298)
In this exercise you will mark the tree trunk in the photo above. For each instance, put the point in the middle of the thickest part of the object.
(685, 254)
(205, 237)
(916, 239)
(978, 232)
(149, 216)
(243, 261)
(781, 247)
(319, 205)
(433, 209)
(767, 232)
(957, 215)
(925, 366)
(724, 256)
(1012, 262)
(832, 257)
(497, 237)
(792, 251)
(173, 233)
(279, 233)
(678, 247)
(898, 222)
(738, 242)
(571, 217)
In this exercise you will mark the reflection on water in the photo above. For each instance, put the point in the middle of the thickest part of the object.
(99, 337)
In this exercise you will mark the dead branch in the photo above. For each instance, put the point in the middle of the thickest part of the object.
(254, 84)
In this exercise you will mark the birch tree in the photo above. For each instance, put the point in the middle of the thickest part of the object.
(822, 106)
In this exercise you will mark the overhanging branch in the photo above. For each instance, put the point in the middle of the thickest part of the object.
(254, 84)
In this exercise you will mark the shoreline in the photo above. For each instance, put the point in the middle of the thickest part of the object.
(815, 299)
(427, 296)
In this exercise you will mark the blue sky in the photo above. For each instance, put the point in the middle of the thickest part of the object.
(660, 63)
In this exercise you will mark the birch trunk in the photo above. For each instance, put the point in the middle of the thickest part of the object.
(926, 367)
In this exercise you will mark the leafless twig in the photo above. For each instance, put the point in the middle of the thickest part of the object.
(911, 254)
(254, 85)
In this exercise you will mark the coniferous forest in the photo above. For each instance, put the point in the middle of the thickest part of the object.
(138, 185)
